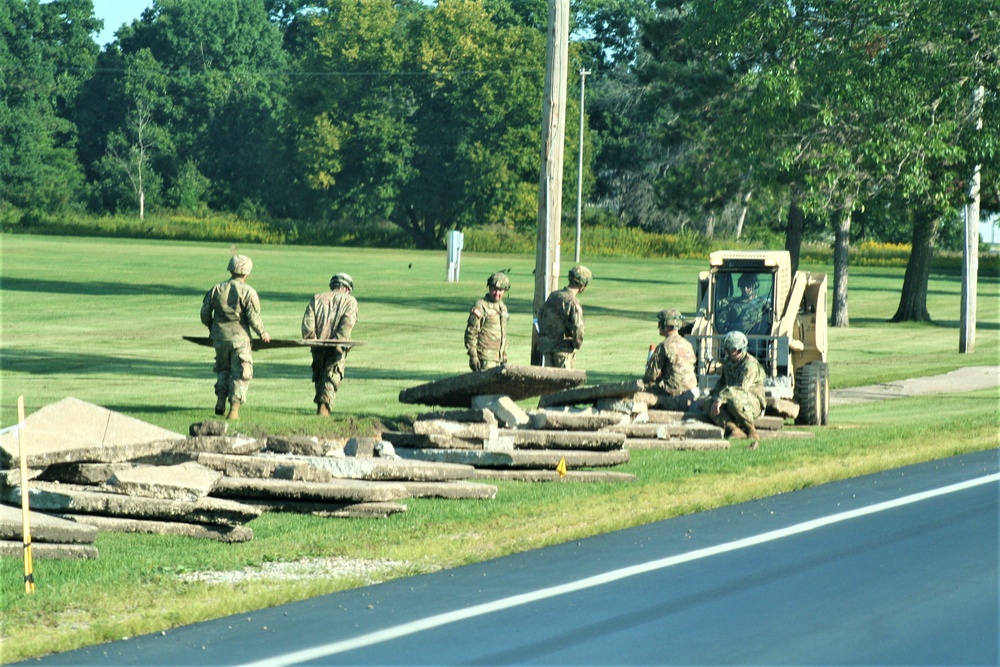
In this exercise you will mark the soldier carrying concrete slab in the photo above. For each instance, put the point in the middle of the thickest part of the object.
(331, 314)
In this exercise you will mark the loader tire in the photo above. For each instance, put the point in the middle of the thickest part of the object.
(809, 383)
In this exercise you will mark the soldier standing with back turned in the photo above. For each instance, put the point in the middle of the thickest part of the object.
(231, 310)
(330, 314)
(560, 321)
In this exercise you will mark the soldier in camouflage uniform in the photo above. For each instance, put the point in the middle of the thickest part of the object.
(560, 321)
(231, 310)
(745, 311)
(486, 331)
(738, 396)
(670, 368)
(330, 314)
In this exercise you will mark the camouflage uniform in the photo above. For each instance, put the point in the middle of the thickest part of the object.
(560, 328)
(330, 314)
(670, 373)
(231, 310)
(486, 334)
(741, 389)
(740, 314)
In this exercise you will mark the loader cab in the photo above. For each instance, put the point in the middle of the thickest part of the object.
(744, 301)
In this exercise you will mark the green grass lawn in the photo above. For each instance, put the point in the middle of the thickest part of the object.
(102, 320)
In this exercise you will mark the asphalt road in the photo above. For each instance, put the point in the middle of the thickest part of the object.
(899, 567)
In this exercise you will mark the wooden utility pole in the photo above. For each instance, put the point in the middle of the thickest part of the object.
(549, 242)
(970, 255)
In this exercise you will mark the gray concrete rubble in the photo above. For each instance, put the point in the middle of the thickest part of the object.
(187, 482)
(523, 458)
(72, 430)
(515, 382)
(379, 510)
(304, 445)
(201, 531)
(586, 440)
(388, 470)
(73, 499)
(336, 490)
(484, 415)
(43, 528)
(574, 421)
(591, 394)
(210, 427)
(458, 490)
(46, 551)
(88, 474)
(589, 476)
(265, 466)
(505, 410)
(220, 445)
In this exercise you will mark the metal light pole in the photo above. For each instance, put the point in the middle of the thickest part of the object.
(579, 177)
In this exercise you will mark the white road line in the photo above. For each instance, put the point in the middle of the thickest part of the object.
(439, 620)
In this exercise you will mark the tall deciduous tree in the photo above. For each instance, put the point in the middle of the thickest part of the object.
(426, 116)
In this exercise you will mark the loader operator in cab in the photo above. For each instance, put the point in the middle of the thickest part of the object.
(743, 312)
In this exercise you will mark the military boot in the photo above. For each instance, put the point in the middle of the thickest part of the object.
(323, 410)
(734, 431)
(220, 405)
(753, 437)
(234, 410)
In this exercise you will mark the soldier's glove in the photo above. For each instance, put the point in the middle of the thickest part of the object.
(473, 362)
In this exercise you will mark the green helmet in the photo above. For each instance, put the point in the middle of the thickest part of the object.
(342, 280)
(580, 275)
(498, 280)
(734, 341)
(240, 265)
(670, 317)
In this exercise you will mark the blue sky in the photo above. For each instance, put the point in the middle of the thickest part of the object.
(115, 13)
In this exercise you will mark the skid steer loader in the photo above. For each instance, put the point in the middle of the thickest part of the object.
(784, 319)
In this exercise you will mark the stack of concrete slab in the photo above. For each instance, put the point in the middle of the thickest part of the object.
(51, 537)
(98, 468)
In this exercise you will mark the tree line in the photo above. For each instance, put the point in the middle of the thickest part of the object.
(759, 119)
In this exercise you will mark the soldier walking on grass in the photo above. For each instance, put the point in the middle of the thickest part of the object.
(486, 331)
(560, 321)
(330, 314)
(738, 396)
(231, 310)
(670, 371)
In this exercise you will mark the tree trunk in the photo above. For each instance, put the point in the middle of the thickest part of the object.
(913, 299)
(838, 317)
(743, 215)
(794, 232)
(710, 225)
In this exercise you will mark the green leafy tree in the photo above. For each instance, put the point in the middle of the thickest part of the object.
(428, 116)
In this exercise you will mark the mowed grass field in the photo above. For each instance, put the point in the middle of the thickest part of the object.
(102, 320)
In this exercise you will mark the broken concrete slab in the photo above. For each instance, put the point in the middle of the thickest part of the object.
(336, 490)
(555, 420)
(665, 416)
(43, 527)
(221, 445)
(517, 382)
(208, 427)
(523, 458)
(401, 439)
(696, 430)
(460, 430)
(505, 411)
(265, 466)
(591, 476)
(72, 499)
(377, 510)
(45, 551)
(301, 444)
(13, 477)
(186, 482)
(589, 440)
(470, 415)
(460, 490)
(686, 444)
(389, 470)
(201, 531)
(72, 430)
(781, 407)
(637, 410)
(87, 474)
(591, 394)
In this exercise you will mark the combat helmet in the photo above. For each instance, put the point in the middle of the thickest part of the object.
(734, 341)
(342, 280)
(580, 275)
(240, 265)
(498, 280)
(670, 317)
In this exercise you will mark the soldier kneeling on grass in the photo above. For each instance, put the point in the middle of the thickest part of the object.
(330, 314)
(670, 373)
(738, 396)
